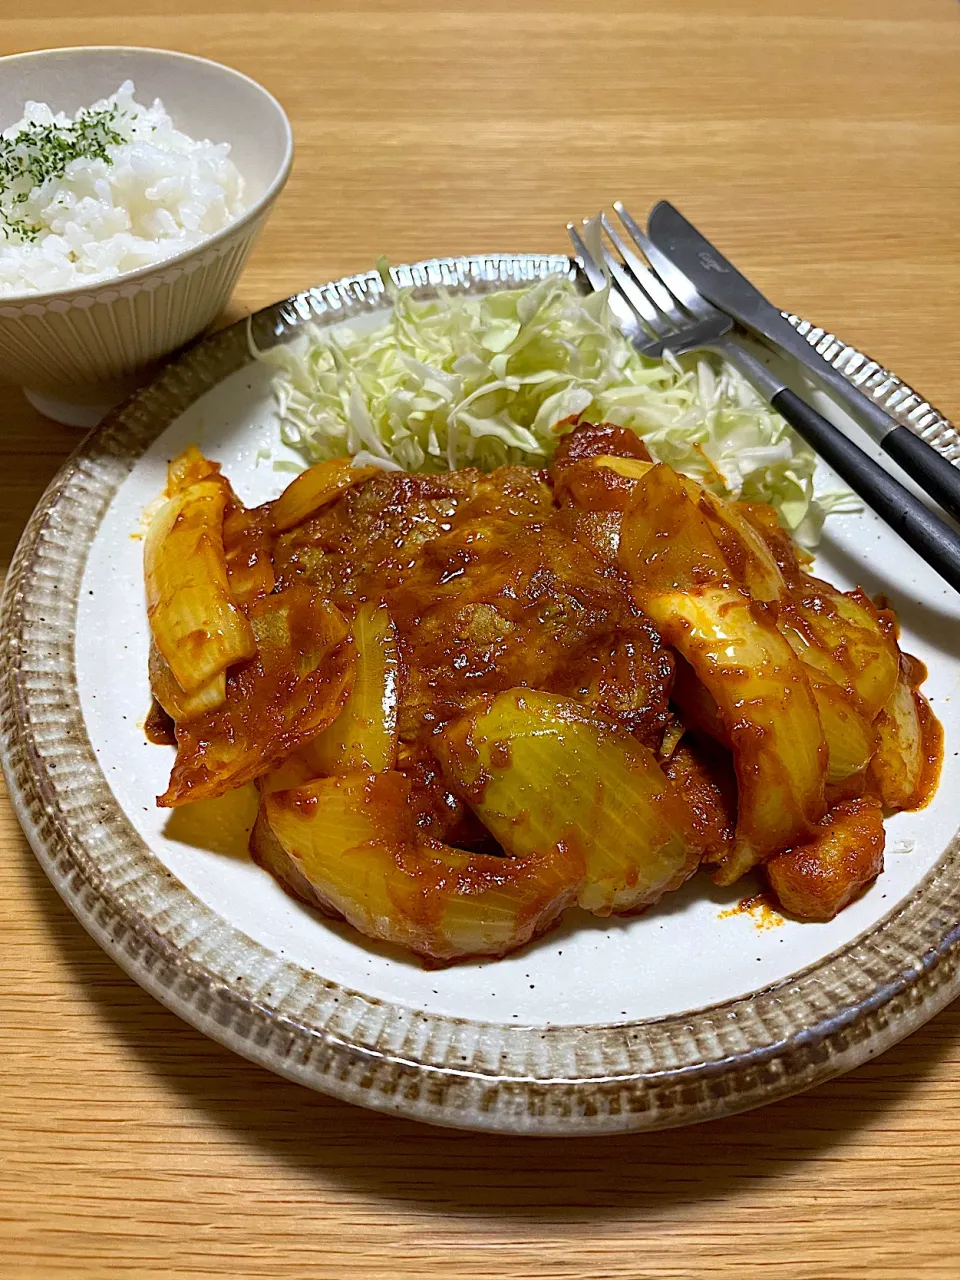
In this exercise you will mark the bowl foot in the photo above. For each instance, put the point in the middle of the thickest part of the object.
(85, 408)
(69, 413)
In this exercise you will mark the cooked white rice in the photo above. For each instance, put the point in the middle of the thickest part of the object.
(159, 192)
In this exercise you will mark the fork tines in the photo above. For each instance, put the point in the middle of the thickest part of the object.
(657, 308)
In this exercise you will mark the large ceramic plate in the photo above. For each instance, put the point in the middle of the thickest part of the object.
(687, 1012)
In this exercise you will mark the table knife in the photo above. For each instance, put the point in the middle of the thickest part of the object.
(723, 285)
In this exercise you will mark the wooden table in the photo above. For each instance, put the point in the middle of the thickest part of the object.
(817, 142)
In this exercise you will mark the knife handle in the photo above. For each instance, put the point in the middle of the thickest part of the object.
(932, 538)
(931, 470)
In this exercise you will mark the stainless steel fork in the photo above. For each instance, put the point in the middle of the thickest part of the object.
(661, 311)
(653, 317)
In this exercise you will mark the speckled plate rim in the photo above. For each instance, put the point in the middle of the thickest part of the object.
(560, 1080)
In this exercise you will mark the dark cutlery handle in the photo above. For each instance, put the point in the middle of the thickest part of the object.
(931, 470)
(931, 537)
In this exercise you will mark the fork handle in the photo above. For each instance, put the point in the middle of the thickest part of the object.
(932, 538)
(931, 470)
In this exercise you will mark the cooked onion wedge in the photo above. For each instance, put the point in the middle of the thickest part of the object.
(349, 844)
(765, 702)
(842, 637)
(666, 542)
(314, 489)
(195, 621)
(744, 550)
(842, 634)
(897, 767)
(850, 739)
(542, 773)
(293, 772)
(189, 468)
(747, 556)
(684, 583)
(697, 705)
(180, 706)
(630, 468)
(364, 736)
(294, 687)
(267, 852)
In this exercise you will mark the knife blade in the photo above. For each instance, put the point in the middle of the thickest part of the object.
(719, 281)
(722, 284)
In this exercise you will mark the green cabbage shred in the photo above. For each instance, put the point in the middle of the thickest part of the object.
(482, 380)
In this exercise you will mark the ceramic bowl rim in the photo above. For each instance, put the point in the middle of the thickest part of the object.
(245, 220)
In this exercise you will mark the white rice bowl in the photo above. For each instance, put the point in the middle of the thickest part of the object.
(159, 193)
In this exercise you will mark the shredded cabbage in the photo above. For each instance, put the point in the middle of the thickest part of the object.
(483, 380)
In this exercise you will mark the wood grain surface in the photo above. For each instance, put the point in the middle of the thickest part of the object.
(817, 142)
